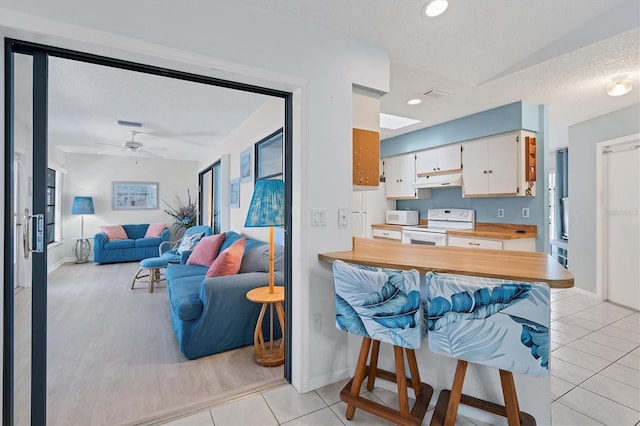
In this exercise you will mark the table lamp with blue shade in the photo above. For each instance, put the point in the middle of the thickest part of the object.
(82, 206)
(267, 209)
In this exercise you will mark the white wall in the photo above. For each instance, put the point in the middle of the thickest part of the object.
(264, 121)
(92, 175)
(236, 41)
(583, 138)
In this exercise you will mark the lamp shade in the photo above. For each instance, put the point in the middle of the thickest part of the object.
(82, 205)
(267, 204)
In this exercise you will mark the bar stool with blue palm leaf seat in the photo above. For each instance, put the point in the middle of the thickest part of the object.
(491, 322)
(382, 305)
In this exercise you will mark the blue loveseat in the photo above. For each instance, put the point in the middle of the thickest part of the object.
(136, 247)
(212, 315)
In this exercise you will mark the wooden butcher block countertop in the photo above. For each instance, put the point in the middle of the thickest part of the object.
(504, 264)
(496, 231)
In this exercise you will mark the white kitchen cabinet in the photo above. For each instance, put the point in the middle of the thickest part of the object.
(518, 244)
(399, 173)
(493, 166)
(444, 159)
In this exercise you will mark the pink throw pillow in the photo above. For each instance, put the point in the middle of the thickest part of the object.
(154, 230)
(206, 250)
(228, 262)
(114, 232)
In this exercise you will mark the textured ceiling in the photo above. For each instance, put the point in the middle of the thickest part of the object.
(488, 53)
(180, 119)
(485, 53)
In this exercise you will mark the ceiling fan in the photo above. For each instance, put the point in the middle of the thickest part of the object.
(131, 146)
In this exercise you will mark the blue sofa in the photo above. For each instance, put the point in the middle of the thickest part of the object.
(136, 247)
(212, 315)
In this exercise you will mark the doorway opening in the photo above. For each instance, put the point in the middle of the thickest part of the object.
(36, 321)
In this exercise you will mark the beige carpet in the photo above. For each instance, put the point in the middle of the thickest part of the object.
(114, 359)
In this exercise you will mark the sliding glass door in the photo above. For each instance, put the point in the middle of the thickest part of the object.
(209, 196)
(25, 262)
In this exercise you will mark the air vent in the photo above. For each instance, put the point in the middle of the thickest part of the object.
(435, 93)
(129, 123)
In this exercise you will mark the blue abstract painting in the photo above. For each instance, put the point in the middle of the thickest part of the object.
(498, 323)
(379, 303)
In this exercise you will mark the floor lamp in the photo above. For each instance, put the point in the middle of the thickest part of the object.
(267, 209)
(82, 247)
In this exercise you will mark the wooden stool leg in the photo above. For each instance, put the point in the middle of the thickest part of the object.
(510, 398)
(456, 393)
(401, 380)
(152, 278)
(373, 365)
(136, 277)
(280, 311)
(415, 373)
(358, 377)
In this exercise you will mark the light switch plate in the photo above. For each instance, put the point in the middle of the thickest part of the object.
(525, 212)
(318, 217)
(500, 212)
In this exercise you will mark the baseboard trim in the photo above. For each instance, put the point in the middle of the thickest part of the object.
(328, 379)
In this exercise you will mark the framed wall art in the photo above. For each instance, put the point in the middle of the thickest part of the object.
(234, 193)
(134, 196)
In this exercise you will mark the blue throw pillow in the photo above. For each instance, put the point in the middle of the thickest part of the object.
(189, 242)
(231, 238)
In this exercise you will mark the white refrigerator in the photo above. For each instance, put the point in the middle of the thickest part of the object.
(369, 207)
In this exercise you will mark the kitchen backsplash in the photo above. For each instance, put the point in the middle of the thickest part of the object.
(486, 208)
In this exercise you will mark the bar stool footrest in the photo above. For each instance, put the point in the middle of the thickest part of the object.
(440, 411)
(417, 412)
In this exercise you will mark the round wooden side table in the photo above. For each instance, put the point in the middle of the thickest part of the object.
(268, 355)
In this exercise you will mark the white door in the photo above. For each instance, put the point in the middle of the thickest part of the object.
(622, 222)
(449, 157)
(427, 161)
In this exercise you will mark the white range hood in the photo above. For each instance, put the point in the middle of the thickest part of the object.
(439, 181)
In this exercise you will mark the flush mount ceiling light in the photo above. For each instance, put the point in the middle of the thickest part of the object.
(619, 86)
(414, 101)
(434, 8)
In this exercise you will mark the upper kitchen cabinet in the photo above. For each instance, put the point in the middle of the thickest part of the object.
(366, 157)
(441, 160)
(366, 139)
(495, 166)
(399, 173)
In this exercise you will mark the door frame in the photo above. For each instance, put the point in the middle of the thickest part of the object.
(602, 290)
(39, 363)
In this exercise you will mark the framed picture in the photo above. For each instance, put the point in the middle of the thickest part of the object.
(245, 165)
(234, 193)
(134, 196)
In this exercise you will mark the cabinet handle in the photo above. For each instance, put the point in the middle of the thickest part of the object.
(438, 168)
(474, 244)
(485, 172)
(490, 171)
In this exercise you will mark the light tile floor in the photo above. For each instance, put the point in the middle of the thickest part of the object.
(595, 377)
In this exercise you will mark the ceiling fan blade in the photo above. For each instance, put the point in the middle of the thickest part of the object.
(110, 151)
(109, 144)
(149, 153)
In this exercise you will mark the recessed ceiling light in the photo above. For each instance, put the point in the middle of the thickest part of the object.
(435, 8)
(393, 122)
(620, 86)
(414, 101)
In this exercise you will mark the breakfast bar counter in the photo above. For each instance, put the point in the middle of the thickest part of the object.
(503, 264)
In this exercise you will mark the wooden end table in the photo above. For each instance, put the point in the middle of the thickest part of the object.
(268, 355)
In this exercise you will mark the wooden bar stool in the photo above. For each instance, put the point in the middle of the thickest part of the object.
(382, 306)
(496, 323)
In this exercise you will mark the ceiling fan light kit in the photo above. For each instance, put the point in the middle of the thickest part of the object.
(434, 8)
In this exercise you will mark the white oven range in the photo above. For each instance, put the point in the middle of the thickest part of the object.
(439, 222)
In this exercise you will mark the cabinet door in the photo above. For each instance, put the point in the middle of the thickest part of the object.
(449, 158)
(475, 159)
(400, 174)
(426, 162)
(503, 165)
(366, 155)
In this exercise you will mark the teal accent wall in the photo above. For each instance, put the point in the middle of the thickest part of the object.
(516, 116)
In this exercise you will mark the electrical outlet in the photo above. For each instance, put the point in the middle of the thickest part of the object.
(500, 212)
(525, 212)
